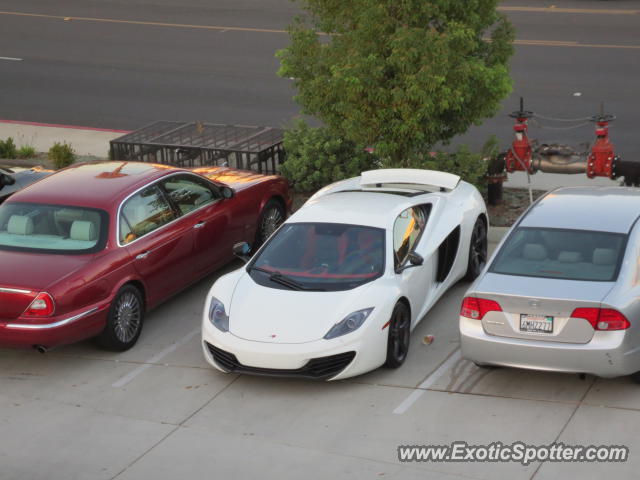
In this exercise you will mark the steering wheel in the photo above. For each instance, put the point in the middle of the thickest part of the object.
(359, 262)
(322, 268)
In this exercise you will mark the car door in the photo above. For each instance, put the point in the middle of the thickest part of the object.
(416, 281)
(159, 241)
(201, 202)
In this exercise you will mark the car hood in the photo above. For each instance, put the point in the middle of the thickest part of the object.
(273, 315)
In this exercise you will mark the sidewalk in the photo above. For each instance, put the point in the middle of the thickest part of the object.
(85, 141)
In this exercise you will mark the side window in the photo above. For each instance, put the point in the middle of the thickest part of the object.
(407, 231)
(189, 193)
(143, 213)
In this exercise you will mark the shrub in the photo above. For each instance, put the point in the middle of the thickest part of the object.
(26, 151)
(317, 157)
(8, 148)
(470, 166)
(62, 155)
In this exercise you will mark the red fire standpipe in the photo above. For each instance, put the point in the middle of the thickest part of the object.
(519, 155)
(602, 159)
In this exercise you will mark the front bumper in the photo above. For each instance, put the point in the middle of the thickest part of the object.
(56, 331)
(606, 355)
(321, 359)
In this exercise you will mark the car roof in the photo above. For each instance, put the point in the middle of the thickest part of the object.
(375, 209)
(607, 209)
(96, 185)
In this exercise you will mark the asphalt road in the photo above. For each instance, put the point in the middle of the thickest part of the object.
(122, 64)
(160, 412)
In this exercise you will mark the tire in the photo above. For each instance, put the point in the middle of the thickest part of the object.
(635, 377)
(124, 322)
(399, 336)
(271, 217)
(477, 251)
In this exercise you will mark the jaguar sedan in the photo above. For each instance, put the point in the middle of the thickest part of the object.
(562, 291)
(336, 291)
(87, 251)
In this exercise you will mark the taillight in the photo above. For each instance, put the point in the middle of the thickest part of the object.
(602, 318)
(42, 306)
(477, 308)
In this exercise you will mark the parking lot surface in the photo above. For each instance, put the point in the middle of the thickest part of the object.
(158, 411)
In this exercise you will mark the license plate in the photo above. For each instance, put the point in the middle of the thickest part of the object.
(536, 323)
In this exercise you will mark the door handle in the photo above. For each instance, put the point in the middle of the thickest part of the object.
(142, 255)
(199, 224)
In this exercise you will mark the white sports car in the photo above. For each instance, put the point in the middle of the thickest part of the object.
(336, 291)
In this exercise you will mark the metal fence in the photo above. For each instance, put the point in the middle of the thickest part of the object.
(198, 144)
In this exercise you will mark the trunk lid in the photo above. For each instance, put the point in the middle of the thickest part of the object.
(23, 275)
(531, 306)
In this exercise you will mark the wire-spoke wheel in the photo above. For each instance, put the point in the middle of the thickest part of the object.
(399, 336)
(272, 216)
(477, 251)
(125, 319)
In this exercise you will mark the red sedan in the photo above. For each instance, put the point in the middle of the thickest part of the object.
(87, 251)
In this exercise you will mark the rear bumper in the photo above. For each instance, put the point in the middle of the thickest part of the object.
(606, 355)
(57, 331)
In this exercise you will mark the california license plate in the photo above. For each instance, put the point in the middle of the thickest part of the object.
(536, 323)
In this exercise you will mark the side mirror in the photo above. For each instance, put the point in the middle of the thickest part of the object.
(415, 259)
(227, 192)
(242, 250)
(6, 180)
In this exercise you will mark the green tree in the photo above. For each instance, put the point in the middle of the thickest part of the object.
(316, 157)
(399, 75)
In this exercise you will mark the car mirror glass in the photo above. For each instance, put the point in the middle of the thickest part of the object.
(227, 192)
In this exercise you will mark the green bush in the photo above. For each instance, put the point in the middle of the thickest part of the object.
(8, 148)
(317, 157)
(62, 155)
(470, 166)
(26, 151)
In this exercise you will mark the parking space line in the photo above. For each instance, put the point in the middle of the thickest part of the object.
(13, 59)
(430, 380)
(154, 360)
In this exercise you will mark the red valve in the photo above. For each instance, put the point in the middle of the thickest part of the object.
(601, 160)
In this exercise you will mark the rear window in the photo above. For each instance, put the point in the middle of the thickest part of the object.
(564, 254)
(34, 227)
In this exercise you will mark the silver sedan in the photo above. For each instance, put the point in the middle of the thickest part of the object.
(562, 291)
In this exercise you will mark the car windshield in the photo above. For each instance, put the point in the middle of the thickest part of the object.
(564, 254)
(42, 228)
(321, 256)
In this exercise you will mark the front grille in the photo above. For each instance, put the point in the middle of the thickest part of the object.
(320, 368)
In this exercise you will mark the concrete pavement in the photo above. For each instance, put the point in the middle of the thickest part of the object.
(158, 411)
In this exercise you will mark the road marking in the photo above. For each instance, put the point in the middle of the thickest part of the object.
(560, 43)
(13, 59)
(544, 43)
(428, 382)
(141, 22)
(605, 11)
(154, 360)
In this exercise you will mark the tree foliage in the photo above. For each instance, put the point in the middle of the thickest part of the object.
(399, 75)
(317, 157)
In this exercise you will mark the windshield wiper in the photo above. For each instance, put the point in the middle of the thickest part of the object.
(277, 277)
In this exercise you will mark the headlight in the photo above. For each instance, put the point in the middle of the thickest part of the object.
(348, 324)
(218, 316)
